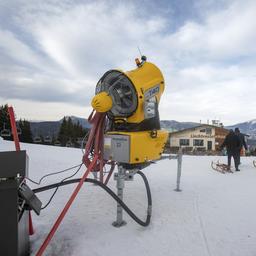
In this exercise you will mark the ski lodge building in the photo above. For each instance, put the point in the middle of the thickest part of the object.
(202, 138)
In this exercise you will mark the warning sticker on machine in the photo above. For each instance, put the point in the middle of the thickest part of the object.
(152, 92)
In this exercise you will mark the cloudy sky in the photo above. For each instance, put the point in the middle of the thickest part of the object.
(53, 52)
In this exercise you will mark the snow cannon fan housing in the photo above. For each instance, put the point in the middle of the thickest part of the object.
(131, 100)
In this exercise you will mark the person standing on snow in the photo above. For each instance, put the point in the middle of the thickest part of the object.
(242, 142)
(232, 144)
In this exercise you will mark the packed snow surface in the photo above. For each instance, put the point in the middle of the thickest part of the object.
(214, 215)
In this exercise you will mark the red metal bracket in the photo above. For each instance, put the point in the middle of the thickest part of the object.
(14, 128)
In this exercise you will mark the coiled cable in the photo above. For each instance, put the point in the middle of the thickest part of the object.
(111, 193)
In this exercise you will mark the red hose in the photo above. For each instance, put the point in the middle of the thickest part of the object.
(65, 209)
(94, 146)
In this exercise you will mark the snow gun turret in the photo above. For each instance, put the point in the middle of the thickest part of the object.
(125, 132)
(130, 100)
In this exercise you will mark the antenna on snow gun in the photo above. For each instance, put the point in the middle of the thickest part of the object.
(139, 51)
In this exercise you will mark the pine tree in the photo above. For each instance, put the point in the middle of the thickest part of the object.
(23, 125)
(70, 132)
(5, 124)
(63, 137)
(26, 134)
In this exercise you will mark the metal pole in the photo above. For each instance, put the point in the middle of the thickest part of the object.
(95, 175)
(120, 179)
(179, 165)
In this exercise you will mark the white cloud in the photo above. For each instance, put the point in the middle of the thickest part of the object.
(222, 36)
(67, 46)
(50, 111)
(17, 50)
(210, 93)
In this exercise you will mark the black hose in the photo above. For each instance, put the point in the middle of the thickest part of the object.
(111, 193)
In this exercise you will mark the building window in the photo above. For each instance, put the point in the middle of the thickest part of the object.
(208, 130)
(202, 130)
(184, 142)
(198, 143)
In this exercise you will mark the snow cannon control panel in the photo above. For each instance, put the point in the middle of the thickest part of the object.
(16, 199)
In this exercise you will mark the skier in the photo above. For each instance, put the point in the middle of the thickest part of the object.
(232, 144)
(242, 142)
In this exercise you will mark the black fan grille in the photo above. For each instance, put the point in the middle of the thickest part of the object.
(122, 92)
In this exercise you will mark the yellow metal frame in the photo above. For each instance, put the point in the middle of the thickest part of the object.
(144, 147)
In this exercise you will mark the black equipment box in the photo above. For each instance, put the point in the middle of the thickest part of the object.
(14, 219)
(13, 163)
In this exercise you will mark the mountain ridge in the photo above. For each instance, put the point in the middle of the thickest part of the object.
(51, 128)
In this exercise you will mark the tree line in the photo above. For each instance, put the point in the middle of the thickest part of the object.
(69, 134)
(23, 127)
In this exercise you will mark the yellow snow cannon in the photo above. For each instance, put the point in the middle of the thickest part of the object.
(133, 136)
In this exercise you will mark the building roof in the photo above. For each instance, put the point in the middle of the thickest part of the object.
(198, 126)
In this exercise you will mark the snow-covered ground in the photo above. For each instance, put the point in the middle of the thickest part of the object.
(214, 215)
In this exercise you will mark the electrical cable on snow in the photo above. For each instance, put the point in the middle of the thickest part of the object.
(57, 187)
(112, 194)
(53, 173)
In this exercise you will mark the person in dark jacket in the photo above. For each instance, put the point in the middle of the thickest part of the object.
(242, 142)
(232, 144)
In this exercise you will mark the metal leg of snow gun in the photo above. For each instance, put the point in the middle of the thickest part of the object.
(127, 175)
(179, 165)
(120, 180)
(177, 157)
(121, 176)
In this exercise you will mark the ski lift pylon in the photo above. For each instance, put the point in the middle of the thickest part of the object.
(5, 132)
(19, 132)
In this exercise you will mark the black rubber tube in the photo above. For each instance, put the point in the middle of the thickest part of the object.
(111, 193)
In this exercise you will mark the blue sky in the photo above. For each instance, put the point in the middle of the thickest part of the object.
(53, 52)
